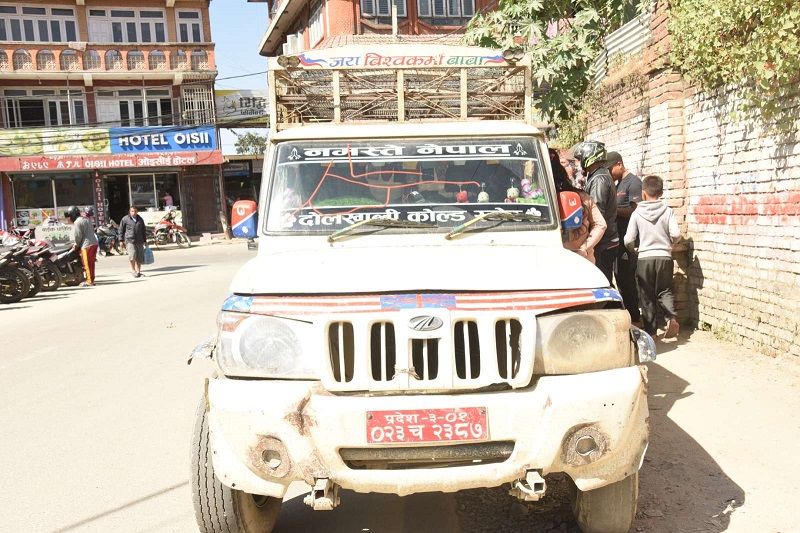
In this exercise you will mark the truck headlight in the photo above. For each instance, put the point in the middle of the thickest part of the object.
(262, 346)
(583, 341)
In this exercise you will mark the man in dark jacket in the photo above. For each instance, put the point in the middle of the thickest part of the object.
(132, 232)
(629, 194)
(600, 186)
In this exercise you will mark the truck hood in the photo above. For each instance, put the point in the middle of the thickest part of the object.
(418, 268)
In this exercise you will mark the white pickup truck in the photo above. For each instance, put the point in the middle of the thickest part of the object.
(411, 322)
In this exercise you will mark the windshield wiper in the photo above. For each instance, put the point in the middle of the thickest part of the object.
(496, 216)
(380, 223)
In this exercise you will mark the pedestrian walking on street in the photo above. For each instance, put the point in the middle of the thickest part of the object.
(599, 185)
(133, 233)
(85, 240)
(655, 226)
(629, 194)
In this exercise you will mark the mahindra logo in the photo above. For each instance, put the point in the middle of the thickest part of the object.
(425, 323)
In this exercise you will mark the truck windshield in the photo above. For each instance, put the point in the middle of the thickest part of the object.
(321, 187)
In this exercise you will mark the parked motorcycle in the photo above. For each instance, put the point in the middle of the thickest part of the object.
(41, 256)
(18, 258)
(108, 239)
(167, 231)
(68, 262)
(14, 284)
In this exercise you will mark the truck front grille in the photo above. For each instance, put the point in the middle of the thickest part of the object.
(465, 354)
(409, 458)
(507, 336)
(382, 351)
(341, 347)
(467, 349)
(425, 358)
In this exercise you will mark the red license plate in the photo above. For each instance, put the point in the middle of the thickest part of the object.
(427, 425)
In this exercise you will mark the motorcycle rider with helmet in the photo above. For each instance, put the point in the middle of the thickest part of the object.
(600, 186)
(84, 240)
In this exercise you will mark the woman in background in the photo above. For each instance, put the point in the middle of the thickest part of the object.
(581, 240)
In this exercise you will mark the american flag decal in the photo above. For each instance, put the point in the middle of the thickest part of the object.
(418, 301)
(485, 301)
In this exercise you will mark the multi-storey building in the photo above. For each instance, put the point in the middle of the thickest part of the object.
(108, 103)
(298, 25)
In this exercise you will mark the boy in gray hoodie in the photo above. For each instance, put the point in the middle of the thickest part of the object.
(654, 225)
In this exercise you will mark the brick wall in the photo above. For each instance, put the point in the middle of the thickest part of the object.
(736, 191)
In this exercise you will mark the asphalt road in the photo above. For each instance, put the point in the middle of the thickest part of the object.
(97, 406)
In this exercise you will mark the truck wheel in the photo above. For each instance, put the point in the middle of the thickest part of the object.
(217, 508)
(609, 509)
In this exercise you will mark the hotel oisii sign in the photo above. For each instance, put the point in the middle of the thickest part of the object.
(107, 148)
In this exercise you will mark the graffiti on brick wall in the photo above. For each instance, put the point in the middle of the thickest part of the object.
(745, 209)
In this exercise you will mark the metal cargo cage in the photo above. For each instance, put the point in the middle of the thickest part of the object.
(398, 83)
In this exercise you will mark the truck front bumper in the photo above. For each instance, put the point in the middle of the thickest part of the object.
(266, 434)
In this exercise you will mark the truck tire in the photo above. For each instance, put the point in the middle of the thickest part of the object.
(220, 509)
(609, 509)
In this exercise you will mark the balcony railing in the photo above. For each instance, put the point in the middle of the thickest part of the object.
(49, 57)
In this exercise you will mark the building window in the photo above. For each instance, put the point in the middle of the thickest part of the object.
(25, 108)
(382, 8)
(43, 200)
(134, 107)
(148, 190)
(127, 26)
(315, 23)
(197, 106)
(446, 12)
(190, 28)
(37, 24)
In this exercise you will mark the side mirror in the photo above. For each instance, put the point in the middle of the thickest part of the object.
(570, 210)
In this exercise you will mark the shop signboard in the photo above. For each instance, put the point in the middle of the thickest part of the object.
(60, 234)
(242, 108)
(47, 141)
(101, 149)
(159, 140)
(99, 199)
(236, 170)
(109, 162)
(47, 217)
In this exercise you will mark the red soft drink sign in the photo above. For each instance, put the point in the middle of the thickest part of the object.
(243, 219)
(570, 210)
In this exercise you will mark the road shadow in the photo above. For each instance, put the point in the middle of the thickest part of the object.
(689, 280)
(48, 296)
(680, 483)
(109, 282)
(173, 268)
(156, 274)
(5, 307)
(379, 513)
(669, 345)
(99, 516)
